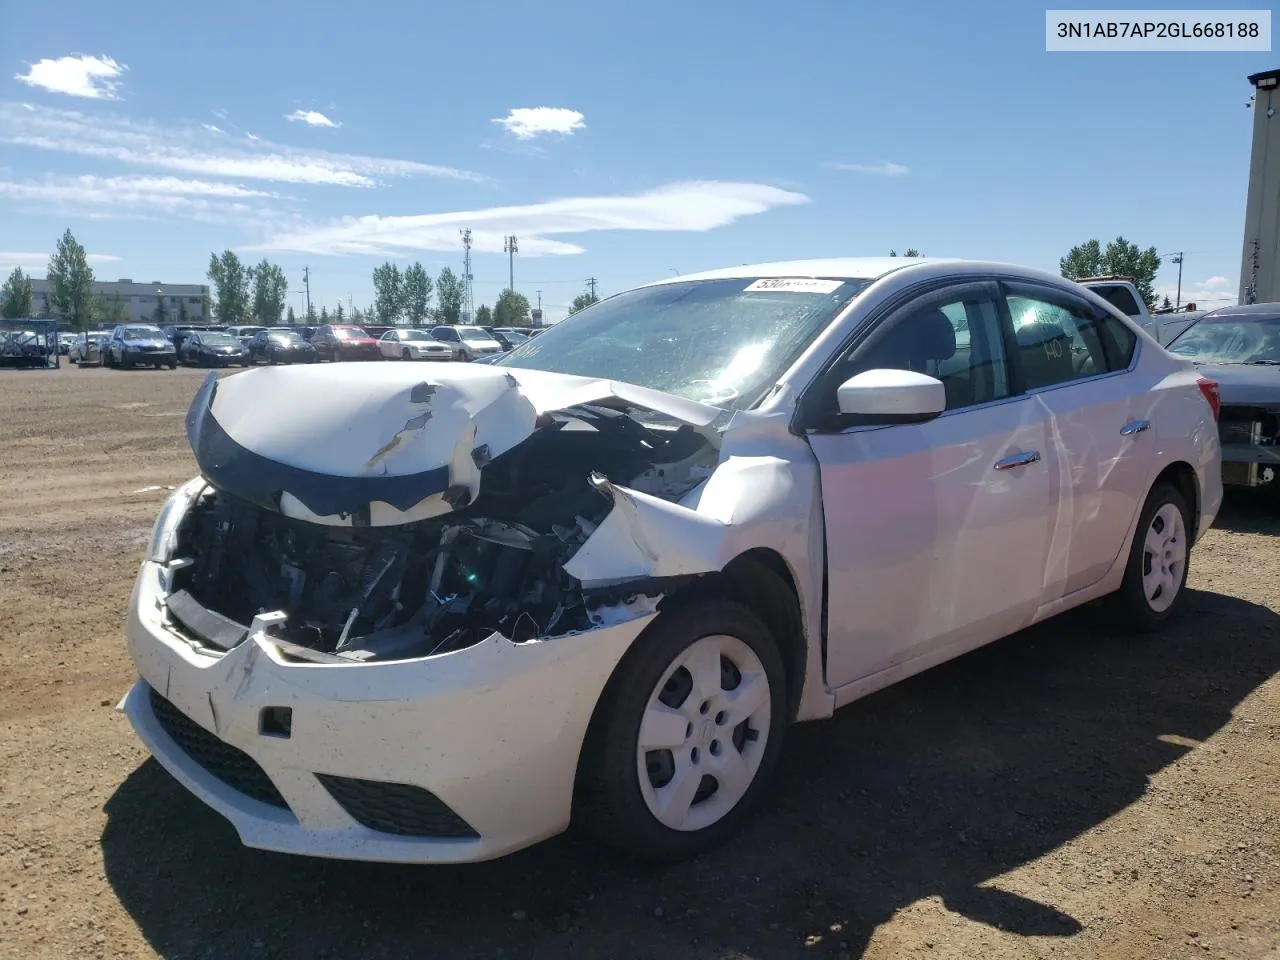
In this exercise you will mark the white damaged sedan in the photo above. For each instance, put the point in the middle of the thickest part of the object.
(434, 615)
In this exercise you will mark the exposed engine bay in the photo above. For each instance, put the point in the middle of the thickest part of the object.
(393, 592)
(1250, 437)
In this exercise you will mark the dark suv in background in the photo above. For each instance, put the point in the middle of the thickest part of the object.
(139, 345)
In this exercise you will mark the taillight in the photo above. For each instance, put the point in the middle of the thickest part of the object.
(1210, 390)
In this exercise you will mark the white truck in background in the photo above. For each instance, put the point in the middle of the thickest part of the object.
(1122, 293)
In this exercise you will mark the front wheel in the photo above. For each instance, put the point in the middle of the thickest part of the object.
(1156, 575)
(687, 734)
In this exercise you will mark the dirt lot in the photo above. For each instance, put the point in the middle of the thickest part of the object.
(1063, 793)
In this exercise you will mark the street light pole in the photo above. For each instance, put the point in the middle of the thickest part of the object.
(1177, 258)
(510, 248)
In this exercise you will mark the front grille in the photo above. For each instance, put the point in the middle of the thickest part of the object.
(398, 808)
(232, 766)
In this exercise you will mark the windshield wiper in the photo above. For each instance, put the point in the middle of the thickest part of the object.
(1262, 363)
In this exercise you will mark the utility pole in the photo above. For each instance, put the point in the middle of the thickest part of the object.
(591, 285)
(510, 249)
(1177, 258)
(539, 301)
(306, 281)
(468, 300)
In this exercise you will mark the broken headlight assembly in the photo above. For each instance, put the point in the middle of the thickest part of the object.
(164, 535)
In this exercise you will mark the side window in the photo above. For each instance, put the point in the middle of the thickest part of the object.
(1119, 340)
(1058, 339)
(957, 339)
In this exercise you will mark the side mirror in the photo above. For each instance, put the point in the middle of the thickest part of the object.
(881, 397)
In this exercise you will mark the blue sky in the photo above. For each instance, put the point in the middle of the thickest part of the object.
(675, 136)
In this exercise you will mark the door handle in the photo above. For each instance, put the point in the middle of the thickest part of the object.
(1134, 427)
(1018, 460)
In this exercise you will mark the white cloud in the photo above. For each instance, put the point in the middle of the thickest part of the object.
(252, 136)
(220, 113)
(37, 263)
(882, 169)
(190, 150)
(694, 206)
(95, 78)
(212, 128)
(1215, 291)
(312, 118)
(525, 123)
(134, 196)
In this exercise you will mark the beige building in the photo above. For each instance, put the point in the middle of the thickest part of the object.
(138, 299)
(1260, 262)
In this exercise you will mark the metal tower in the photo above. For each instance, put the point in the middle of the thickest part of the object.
(468, 297)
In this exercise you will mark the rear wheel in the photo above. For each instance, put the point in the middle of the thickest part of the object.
(1156, 575)
(687, 733)
(404, 354)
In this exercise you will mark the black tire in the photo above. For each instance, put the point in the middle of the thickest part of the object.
(404, 354)
(609, 803)
(173, 364)
(1130, 604)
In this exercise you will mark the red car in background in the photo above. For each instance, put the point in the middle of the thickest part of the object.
(344, 342)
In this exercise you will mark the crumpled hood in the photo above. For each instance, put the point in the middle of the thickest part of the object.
(1240, 383)
(384, 444)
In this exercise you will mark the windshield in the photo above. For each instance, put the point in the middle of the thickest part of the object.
(285, 337)
(474, 333)
(141, 333)
(219, 340)
(249, 331)
(349, 333)
(1230, 339)
(718, 341)
(416, 335)
(516, 338)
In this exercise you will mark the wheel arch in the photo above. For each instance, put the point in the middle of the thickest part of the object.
(1183, 477)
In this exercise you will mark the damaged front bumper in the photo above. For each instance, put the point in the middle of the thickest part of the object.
(461, 756)
(1250, 453)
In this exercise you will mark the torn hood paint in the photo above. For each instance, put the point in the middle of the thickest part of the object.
(384, 443)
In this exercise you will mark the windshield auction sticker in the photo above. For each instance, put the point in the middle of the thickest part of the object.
(1130, 31)
(793, 285)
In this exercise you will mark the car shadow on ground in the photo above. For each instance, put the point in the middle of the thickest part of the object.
(1250, 511)
(932, 788)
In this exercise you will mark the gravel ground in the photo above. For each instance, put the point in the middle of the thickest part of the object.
(1066, 792)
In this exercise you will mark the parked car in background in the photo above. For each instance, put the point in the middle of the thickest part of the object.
(139, 345)
(65, 340)
(175, 333)
(86, 350)
(413, 345)
(511, 335)
(280, 345)
(1239, 347)
(467, 343)
(1122, 293)
(344, 342)
(214, 349)
(245, 334)
(27, 348)
(465, 606)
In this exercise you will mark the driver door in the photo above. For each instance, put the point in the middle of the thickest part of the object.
(937, 532)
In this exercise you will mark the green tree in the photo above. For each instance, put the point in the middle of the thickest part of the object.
(911, 252)
(18, 296)
(1119, 258)
(206, 306)
(1166, 303)
(582, 301)
(449, 294)
(337, 314)
(484, 316)
(111, 310)
(511, 310)
(230, 281)
(324, 314)
(70, 281)
(290, 319)
(270, 291)
(388, 293)
(160, 315)
(182, 310)
(416, 290)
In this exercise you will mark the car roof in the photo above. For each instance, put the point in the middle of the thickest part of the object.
(851, 268)
(1254, 311)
